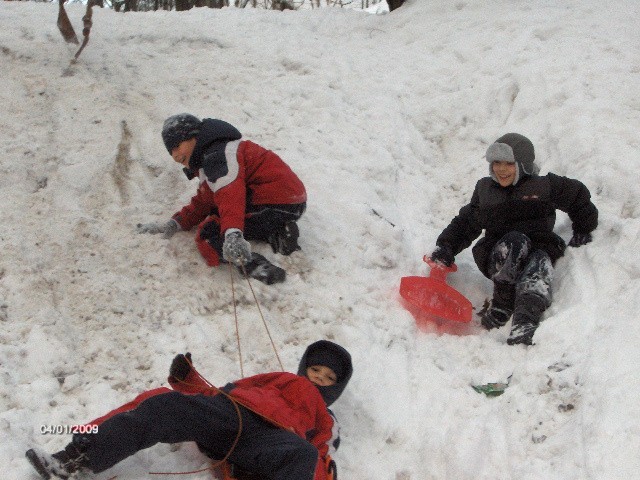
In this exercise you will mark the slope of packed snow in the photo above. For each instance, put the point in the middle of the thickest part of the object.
(386, 119)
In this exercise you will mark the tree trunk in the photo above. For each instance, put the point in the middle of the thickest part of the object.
(182, 5)
(281, 5)
(393, 4)
(130, 6)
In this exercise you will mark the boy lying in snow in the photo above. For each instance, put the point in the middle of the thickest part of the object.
(245, 191)
(283, 428)
(517, 210)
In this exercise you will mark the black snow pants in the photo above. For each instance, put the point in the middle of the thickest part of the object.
(260, 222)
(521, 278)
(210, 421)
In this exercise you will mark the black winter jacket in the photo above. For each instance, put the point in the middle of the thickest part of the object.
(528, 207)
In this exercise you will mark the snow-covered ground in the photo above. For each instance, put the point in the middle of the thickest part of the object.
(386, 118)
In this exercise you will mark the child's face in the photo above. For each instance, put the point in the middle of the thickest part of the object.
(321, 376)
(182, 153)
(505, 172)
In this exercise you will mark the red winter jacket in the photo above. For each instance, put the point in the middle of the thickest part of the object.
(245, 173)
(287, 400)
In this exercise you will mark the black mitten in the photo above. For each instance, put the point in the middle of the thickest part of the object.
(579, 239)
(180, 366)
(332, 470)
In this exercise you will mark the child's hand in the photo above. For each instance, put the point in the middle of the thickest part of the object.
(168, 229)
(579, 239)
(443, 255)
(332, 469)
(181, 366)
(235, 248)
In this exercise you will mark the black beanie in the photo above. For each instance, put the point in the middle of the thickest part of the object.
(332, 355)
(178, 128)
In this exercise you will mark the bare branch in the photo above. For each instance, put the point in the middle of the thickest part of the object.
(64, 25)
(86, 20)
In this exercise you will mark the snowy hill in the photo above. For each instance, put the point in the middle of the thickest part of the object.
(386, 119)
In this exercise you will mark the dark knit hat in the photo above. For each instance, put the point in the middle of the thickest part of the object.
(178, 128)
(332, 355)
(328, 359)
(513, 148)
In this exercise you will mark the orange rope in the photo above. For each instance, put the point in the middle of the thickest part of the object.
(264, 322)
(235, 315)
(234, 402)
(235, 441)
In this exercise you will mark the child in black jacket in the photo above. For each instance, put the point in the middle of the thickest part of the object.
(517, 210)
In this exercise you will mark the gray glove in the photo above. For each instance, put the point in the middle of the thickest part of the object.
(168, 229)
(235, 248)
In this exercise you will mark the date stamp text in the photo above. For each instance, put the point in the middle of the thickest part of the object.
(67, 429)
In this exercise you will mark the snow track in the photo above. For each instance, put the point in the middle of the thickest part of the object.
(386, 120)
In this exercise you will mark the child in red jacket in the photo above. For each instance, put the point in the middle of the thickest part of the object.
(246, 192)
(275, 425)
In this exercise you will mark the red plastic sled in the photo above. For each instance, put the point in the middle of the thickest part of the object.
(432, 296)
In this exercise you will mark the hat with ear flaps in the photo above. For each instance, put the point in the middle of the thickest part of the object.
(513, 148)
(332, 355)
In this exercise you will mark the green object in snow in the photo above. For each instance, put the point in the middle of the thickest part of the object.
(491, 389)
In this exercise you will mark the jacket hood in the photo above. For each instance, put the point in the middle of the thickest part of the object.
(212, 131)
(324, 352)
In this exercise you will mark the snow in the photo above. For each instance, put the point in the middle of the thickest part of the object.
(386, 119)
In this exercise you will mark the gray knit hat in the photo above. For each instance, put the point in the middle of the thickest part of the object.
(178, 128)
(513, 148)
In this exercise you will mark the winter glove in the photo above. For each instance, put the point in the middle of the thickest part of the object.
(180, 366)
(332, 469)
(443, 255)
(168, 229)
(285, 239)
(235, 248)
(579, 239)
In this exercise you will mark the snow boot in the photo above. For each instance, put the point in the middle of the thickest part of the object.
(522, 333)
(62, 464)
(526, 318)
(498, 312)
(494, 317)
(263, 270)
(285, 239)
